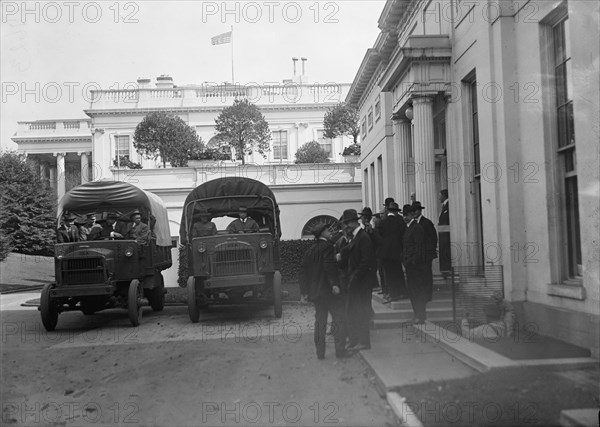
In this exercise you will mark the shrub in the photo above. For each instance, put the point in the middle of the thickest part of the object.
(312, 152)
(27, 206)
(352, 150)
(125, 162)
(292, 252)
(182, 272)
(5, 245)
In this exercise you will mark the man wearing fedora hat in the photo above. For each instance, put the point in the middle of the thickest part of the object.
(68, 231)
(389, 234)
(139, 232)
(365, 220)
(362, 278)
(320, 283)
(243, 224)
(204, 227)
(109, 229)
(413, 258)
(431, 241)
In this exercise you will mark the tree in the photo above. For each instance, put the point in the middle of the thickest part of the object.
(244, 127)
(312, 152)
(166, 136)
(341, 119)
(27, 207)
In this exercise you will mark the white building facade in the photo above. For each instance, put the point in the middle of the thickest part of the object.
(70, 152)
(495, 101)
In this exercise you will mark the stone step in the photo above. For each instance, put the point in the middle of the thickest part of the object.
(397, 323)
(439, 300)
(408, 314)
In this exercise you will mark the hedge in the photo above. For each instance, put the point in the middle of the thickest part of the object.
(291, 252)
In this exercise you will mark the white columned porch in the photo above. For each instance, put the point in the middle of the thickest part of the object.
(424, 154)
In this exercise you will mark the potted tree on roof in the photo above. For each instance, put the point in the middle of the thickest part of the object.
(340, 120)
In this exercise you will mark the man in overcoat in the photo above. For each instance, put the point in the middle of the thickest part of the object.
(362, 278)
(389, 234)
(414, 263)
(319, 283)
(431, 240)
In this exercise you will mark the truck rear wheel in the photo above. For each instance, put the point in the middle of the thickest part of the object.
(134, 302)
(48, 308)
(277, 304)
(193, 299)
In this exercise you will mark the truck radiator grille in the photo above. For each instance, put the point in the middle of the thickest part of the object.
(82, 271)
(233, 260)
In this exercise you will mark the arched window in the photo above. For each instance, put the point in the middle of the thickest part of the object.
(314, 222)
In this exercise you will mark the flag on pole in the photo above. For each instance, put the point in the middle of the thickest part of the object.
(221, 38)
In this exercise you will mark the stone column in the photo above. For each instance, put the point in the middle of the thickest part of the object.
(60, 175)
(85, 169)
(43, 177)
(52, 177)
(402, 142)
(424, 155)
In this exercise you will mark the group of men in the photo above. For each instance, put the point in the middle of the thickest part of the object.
(111, 229)
(339, 273)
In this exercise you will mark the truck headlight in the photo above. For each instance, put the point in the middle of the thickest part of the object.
(129, 252)
(202, 248)
(263, 244)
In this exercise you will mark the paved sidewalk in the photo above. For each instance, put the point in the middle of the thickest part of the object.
(407, 355)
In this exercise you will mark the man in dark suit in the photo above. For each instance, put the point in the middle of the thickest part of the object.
(362, 278)
(243, 224)
(414, 263)
(444, 234)
(68, 231)
(319, 283)
(388, 235)
(109, 229)
(431, 240)
(139, 232)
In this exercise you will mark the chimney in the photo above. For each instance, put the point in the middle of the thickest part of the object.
(294, 60)
(143, 83)
(303, 77)
(164, 81)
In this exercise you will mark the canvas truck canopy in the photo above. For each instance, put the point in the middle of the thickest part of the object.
(101, 197)
(224, 197)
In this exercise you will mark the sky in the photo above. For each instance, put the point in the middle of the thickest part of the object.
(52, 53)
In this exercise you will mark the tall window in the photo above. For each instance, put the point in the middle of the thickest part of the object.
(476, 178)
(566, 144)
(325, 143)
(280, 144)
(363, 127)
(377, 109)
(370, 118)
(121, 145)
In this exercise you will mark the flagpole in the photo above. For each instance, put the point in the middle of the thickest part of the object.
(232, 76)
